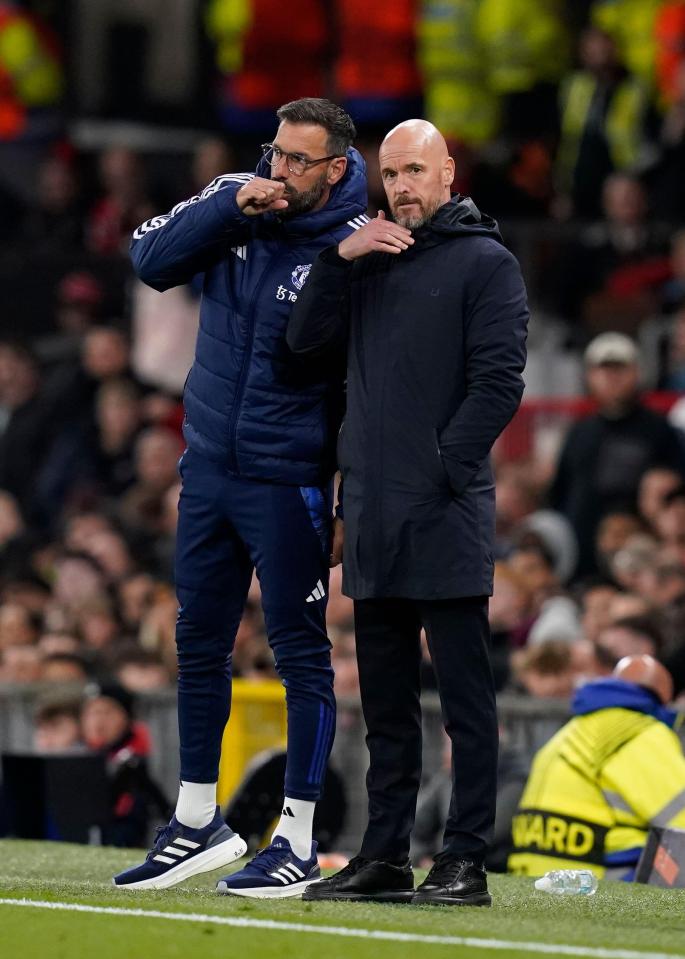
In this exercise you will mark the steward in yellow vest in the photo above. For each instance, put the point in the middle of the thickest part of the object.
(525, 42)
(610, 773)
(458, 99)
(603, 114)
(632, 24)
(31, 76)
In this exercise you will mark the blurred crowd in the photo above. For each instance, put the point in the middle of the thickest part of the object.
(578, 128)
(591, 563)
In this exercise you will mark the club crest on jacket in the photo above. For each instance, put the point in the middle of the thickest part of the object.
(300, 274)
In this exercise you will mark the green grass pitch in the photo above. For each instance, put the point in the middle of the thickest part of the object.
(619, 922)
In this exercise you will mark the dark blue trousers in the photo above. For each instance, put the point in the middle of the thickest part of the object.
(227, 527)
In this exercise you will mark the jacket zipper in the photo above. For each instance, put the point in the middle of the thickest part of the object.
(244, 369)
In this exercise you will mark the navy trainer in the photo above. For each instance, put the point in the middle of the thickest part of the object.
(274, 873)
(180, 852)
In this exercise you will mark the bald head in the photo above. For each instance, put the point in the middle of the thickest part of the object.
(411, 133)
(648, 672)
(417, 171)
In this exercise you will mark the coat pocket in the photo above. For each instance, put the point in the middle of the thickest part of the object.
(441, 474)
(339, 449)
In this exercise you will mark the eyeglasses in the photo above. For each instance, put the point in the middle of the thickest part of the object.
(297, 164)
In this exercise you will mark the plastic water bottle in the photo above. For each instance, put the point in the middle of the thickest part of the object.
(568, 882)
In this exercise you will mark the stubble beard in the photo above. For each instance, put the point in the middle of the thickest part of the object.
(417, 220)
(303, 201)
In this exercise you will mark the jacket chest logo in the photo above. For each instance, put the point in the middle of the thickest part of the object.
(297, 278)
(300, 274)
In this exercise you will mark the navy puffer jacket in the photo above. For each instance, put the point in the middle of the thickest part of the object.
(249, 405)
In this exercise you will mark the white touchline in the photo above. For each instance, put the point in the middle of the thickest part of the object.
(350, 932)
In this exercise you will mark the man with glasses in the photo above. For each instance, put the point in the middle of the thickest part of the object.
(260, 431)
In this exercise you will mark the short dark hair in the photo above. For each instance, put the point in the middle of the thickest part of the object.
(49, 711)
(132, 654)
(646, 626)
(337, 123)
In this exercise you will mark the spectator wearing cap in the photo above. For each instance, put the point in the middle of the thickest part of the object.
(605, 455)
(108, 726)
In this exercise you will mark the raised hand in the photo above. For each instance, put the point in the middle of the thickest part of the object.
(379, 235)
(261, 196)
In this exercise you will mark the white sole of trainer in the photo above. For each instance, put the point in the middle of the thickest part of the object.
(286, 892)
(220, 855)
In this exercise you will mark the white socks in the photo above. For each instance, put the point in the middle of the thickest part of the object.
(196, 804)
(296, 824)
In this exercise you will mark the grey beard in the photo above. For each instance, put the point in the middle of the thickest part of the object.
(414, 222)
(305, 200)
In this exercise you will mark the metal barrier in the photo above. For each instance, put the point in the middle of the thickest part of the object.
(525, 723)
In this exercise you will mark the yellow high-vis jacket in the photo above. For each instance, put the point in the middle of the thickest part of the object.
(632, 25)
(622, 126)
(598, 785)
(524, 42)
(458, 99)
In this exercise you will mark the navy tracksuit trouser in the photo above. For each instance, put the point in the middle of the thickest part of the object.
(227, 527)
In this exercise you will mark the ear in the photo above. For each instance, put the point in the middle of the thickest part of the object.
(448, 172)
(336, 170)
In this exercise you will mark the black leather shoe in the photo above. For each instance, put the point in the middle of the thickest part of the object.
(365, 880)
(453, 882)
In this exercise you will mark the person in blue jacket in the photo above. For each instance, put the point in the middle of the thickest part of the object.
(260, 430)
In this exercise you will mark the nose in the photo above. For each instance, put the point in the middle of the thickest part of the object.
(401, 184)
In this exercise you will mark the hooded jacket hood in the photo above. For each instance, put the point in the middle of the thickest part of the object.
(348, 199)
(616, 693)
(461, 216)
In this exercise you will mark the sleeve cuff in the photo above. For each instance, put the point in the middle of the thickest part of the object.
(331, 257)
(226, 207)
